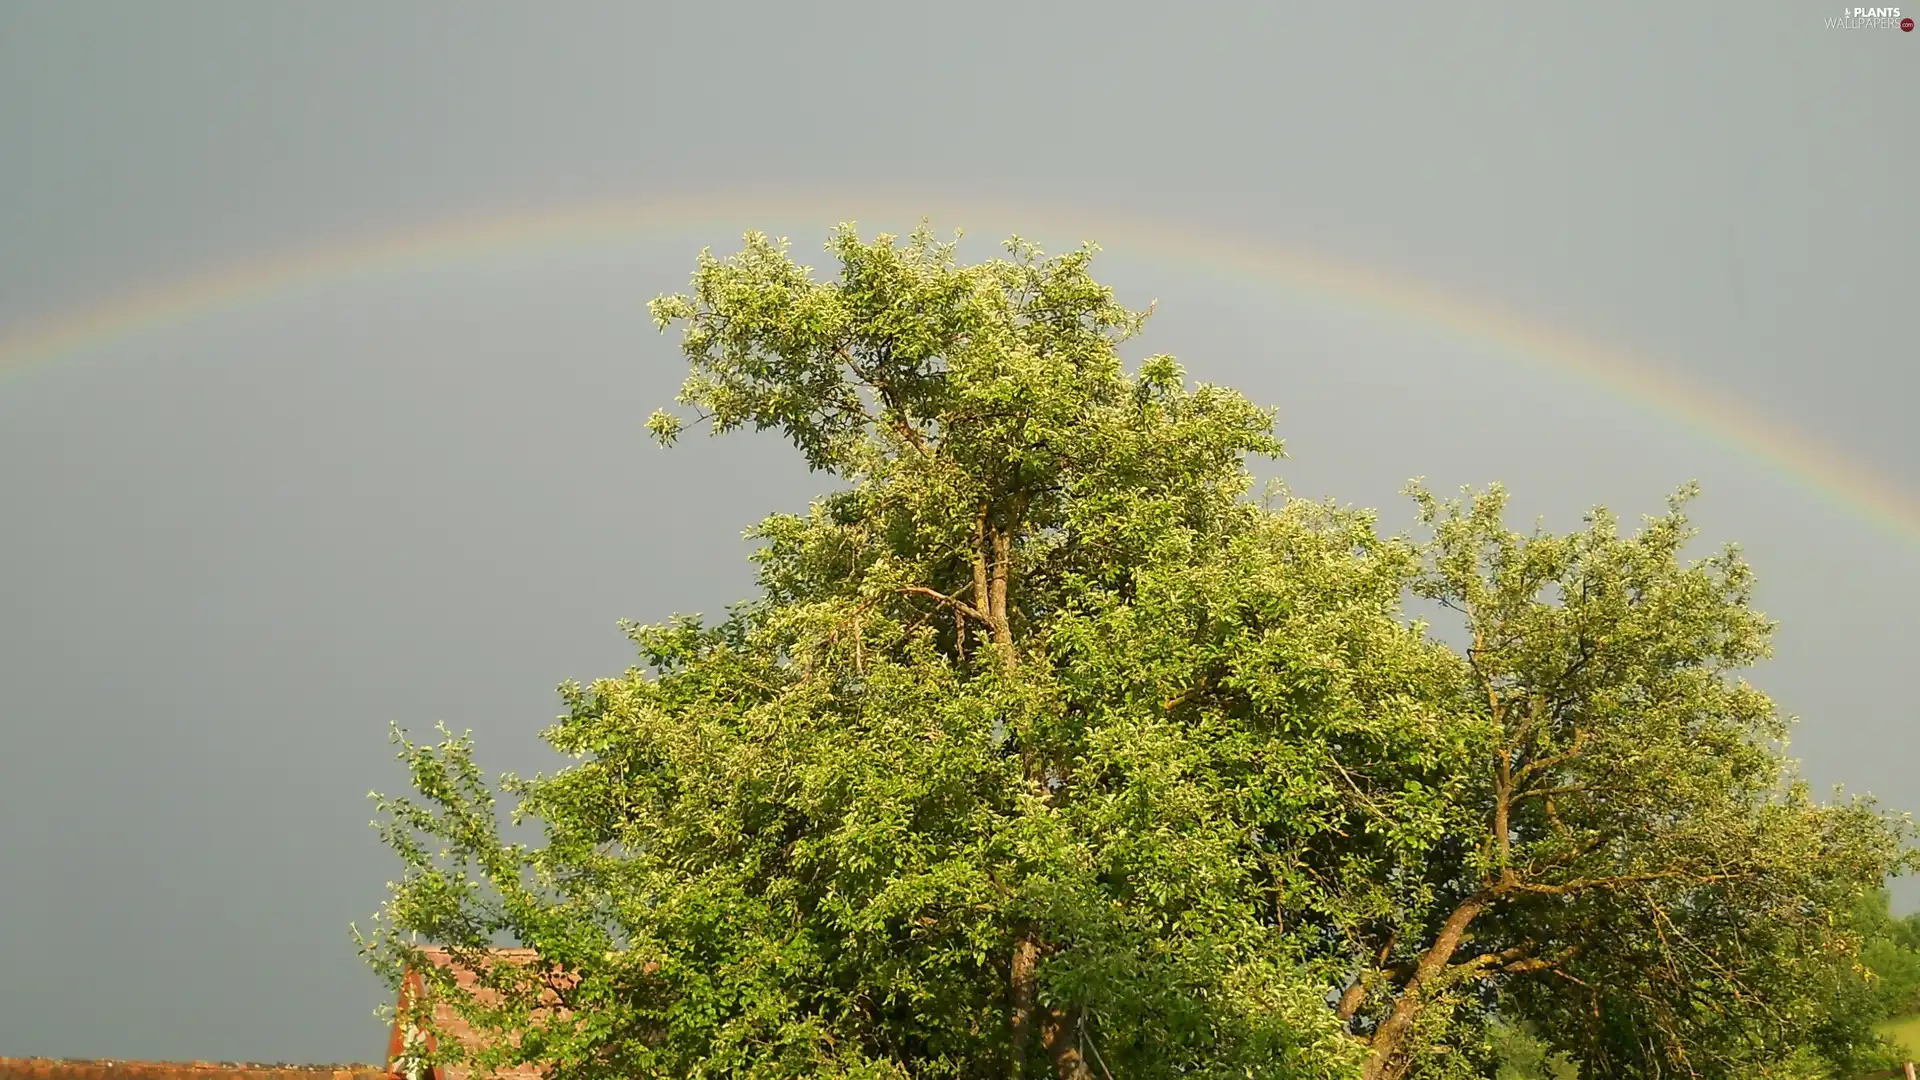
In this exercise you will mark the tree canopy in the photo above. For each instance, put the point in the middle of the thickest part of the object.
(1043, 748)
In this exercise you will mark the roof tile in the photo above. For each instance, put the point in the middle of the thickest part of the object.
(452, 1024)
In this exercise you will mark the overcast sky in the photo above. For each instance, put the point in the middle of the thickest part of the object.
(239, 545)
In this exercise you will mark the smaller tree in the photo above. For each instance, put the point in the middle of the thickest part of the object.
(1631, 867)
(1865, 990)
(1892, 954)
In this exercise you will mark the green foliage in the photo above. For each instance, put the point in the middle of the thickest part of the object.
(1891, 951)
(1631, 865)
(1519, 1054)
(1043, 748)
(1868, 992)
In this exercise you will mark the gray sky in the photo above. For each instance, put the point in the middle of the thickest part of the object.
(239, 545)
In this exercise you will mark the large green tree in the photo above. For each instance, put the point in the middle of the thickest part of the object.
(1044, 749)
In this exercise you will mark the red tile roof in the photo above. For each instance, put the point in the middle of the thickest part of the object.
(450, 1022)
(57, 1069)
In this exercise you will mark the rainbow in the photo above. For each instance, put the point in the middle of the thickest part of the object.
(1822, 470)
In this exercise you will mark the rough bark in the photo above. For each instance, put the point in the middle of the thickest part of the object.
(1025, 993)
(1063, 1045)
(997, 604)
(982, 595)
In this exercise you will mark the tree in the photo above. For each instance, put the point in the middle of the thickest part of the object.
(1520, 1054)
(1043, 748)
(1877, 983)
(1891, 951)
(1585, 821)
(1629, 862)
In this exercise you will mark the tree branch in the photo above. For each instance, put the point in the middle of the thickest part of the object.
(958, 605)
(1390, 1037)
(1540, 765)
(1568, 888)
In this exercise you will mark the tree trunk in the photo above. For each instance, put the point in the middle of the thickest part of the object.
(1383, 1062)
(1025, 987)
(1002, 570)
(1502, 803)
(1063, 1045)
(982, 592)
(992, 575)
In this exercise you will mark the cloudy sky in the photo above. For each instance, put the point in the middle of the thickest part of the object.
(248, 529)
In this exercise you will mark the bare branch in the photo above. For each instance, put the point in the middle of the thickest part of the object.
(1540, 765)
(958, 605)
(1567, 888)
